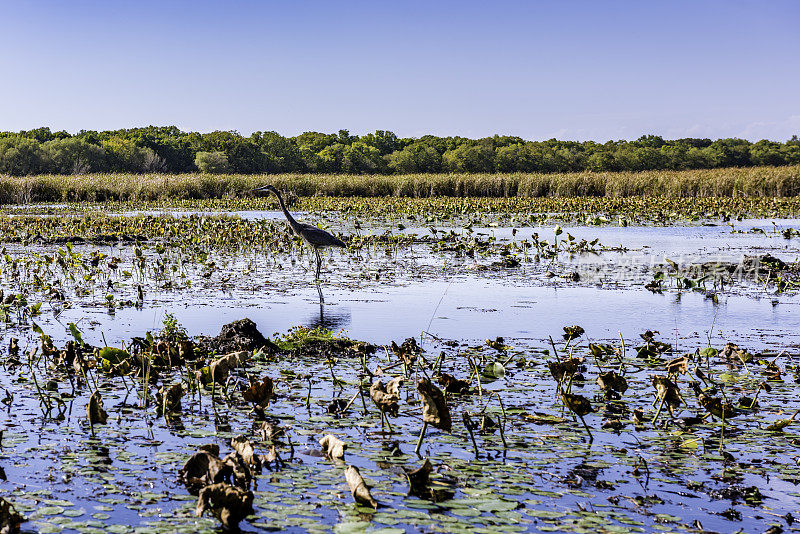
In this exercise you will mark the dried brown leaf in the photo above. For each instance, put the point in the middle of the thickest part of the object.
(387, 397)
(169, 398)
(419, 479)
(452, 384)
(333, 447)
(219, 369)
(358, 487)
(94, 410)
(228, 504)
(565, 368)
(271, 432)
(260, 393)
(667, 390)
(240, 470)
(434, 407)
(244, 448)
(678, 365)
(578, 404)
(611, 380)
(10, 519)
(204, 468)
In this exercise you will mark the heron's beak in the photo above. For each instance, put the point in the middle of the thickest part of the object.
(262, 188)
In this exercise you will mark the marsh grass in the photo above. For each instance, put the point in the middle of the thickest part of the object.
(736, 182)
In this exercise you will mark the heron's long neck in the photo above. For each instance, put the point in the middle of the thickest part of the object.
(292, 222)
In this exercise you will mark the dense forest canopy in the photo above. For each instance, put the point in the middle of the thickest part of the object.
(168, 149)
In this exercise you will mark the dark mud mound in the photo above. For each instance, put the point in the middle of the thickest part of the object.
(238, 335)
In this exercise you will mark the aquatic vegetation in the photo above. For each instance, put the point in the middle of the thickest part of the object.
(225, 486)
(470, 211)
(611, 381)
(765, 270)
(419, 479)
(454, 385)
(434, 406)
(580, 406)
(168, 398)
(260, 393)
(217, 371)
(359, 488)
(386, 398)
(512, 453)
(435, 410)
(204, 468)
(714, 405)
(333, 447)
(227, 503)
(780, 424)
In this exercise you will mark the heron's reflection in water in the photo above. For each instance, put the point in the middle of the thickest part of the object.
(329, 317)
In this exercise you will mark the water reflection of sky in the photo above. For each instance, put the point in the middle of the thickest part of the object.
(475, 310)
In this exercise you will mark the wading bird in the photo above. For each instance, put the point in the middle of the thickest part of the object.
(317, 239)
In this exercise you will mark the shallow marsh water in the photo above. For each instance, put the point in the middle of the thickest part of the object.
(549, 477)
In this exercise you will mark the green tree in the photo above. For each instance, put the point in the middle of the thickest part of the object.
(698, 158)
(637, 158)
(123, 155)
(21, 155)
(331, 158)
(470, 158)
(176, 148)
(675, 156)
(74, 155)
(42, 135)
(211, 162)
(729, 153)
(417, 157)
(282, 154)
(516, 158)
(312, 161)
(244, 156)
(385, 142)
(315, 141)
(792, 150)
(345, 138)
(168, 149)
(601, 161)
(361, 158)
(768, 153)
(650, 141)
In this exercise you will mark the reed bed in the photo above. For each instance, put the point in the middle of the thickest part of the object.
(731, 182)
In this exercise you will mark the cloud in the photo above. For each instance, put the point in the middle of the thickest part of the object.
(773, 130)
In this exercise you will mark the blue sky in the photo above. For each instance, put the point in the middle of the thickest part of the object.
(571, 70)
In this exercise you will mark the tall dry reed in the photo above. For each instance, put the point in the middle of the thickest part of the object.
(752, 181)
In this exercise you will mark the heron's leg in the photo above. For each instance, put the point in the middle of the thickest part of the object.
(319, 261)
(321, 299)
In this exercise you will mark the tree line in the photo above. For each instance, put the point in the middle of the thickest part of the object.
(168, 149)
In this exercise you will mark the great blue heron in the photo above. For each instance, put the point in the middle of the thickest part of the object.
(317, 239)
